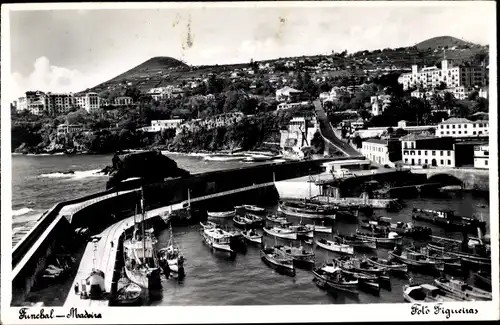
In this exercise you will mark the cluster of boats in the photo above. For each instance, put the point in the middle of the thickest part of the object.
(448, 220)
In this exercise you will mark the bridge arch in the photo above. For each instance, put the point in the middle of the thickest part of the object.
(445, 179)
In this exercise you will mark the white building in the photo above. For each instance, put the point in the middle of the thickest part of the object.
(33, 101)
(483, 92)
(428, 150)
(452, 76)
(287, 94)
(123, 101)
(69, 128)
(59, 103)
(158, 125)
(380, 103)
(482, 156)
(299, 134)
(284, 106)
(92, 102)
(461, 127)
(376, 150)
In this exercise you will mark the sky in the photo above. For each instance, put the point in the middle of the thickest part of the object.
(71, 50)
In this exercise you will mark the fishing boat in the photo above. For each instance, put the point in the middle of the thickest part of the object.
(278, 261)
(471, 251)
(302, 231)
(221, 215)
(219, 240)
(448, 219)
(279, 220)
(381, 239)
(240, 222)
(140, 256)
(172, 259)
(299, 255)
(208, 225)
(253, 220)
(334, 277)
(128, 293)
(389, 265)
(335, 246)
(358, 244)
(252, 236)
(463, 290)
(302, 213)
(319, 228)
(407, 229)
(425, 293)
(417, 260)
(435, 255)
(359, 265)
(280, 232)
(249, 208)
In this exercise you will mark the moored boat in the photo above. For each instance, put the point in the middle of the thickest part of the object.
(281, 232)
(240, 222)
(334, 277)
(299, 213)
(278, 220)
(336, 247)
(221, 215)
(253, 220)
(425, 293)
(252, 236)
(278, 261)
(319, 228)
(358, 244)
(417, 260)
(302, 231)
(299, 255)
(208, 225)
(172, 259)
(219, 240)
(249, 208)
(448, 219)
(381, 239)
(128, 294)
(389, 265)
(463, 290)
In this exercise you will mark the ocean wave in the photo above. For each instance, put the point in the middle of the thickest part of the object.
(21, 211)
(78, 174)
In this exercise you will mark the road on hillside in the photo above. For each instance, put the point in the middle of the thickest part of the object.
(326, 130)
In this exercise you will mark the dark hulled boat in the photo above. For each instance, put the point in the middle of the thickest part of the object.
(448, 219)
(278, 260)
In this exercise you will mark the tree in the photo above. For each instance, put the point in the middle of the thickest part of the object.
(390, 130)
(357, 141)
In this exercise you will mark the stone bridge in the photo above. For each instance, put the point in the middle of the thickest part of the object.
(468, 178)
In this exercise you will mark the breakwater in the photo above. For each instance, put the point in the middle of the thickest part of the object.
(56, 226)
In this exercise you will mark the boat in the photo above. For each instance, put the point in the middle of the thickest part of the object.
(128, 293)
(208, 225)
(335, 246)
(448, 219)
(358, 244)
(253, 220)
(381, 239)
(278, 261)
(435, 255)
(425, 293)
(470, 251)
(319, 228)
(249, 208)
(172, 259)
(416, 259)
(360, 265)
(389, 265)
(463, 290)
(279, 220)
(406, 229)
(301, 230)
(140, 256)
(333, 277)
(302, 213)
(299, 255)
(240, 222)
(252, 236)
(281, 232)
(221, 215)
(219, 240)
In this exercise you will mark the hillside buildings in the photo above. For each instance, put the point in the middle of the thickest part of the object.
(428, 150)
(288, 94)
(376, 150)
(38, 103)
(482, 156)
(452, 76)
(123, 101)
(299, 134)
(159, 125)
(379, 104)
(461, 127)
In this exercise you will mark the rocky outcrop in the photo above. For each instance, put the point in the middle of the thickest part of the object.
(149, 166)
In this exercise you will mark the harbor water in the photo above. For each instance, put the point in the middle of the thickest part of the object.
(37, 184)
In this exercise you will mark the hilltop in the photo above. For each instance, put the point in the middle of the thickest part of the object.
(442, 42)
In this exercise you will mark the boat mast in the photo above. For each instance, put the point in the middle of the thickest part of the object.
(143, 232)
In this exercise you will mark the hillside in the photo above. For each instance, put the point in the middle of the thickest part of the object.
(442, 42)
(146, 75)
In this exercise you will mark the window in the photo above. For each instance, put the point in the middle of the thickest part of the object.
(453, 132)
(426, 161)
(406, 145)
(459, 126)
(447, 126)
(459, 132)
(465, 126)
(441, 153)
(473, 132)
(447, 132)
(449, 153)
(425, 152)
(449, 162)
(465, 132)
(433, 153)
(453, 126)
(406, 160)
(442, 162)
(405, 152)
(419, 162)
(486, 162)
(442, 126)
(419, 153)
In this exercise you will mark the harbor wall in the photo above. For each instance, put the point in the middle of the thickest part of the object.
(470, 178)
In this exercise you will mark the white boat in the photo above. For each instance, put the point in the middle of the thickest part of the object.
(463, 290)
(218, 239)
(220, 215)
(302, 231)
(335, 247)
(250, 208)
(317, 228)
(172, 256)
(208, 225)
(299, 214)
(278, 261)
(280, 220)
(424, 293)
(281, 232)
(252, 236)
